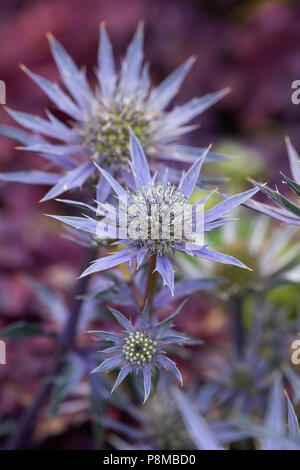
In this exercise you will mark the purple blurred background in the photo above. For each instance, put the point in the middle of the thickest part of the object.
(252, 46)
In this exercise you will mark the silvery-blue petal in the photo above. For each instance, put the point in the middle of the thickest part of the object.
(80, 223)
(102, 189)
(113, 183)
(121, 376)
(165, 269)
(170, 365)
(219, 223)
(167, 322)
(31, 177)
(121, 319)
(227, 205)
(105, 335)
(294, 380)
(109, 261)
(139, 162)
(109, 364)
(294, 430)
(38, 124)
(163, 94)
(275, 414)
(275, 212)
(147, 381)
(188, 154)
(73, 179)
(144, 83)
(52, 149)
(53, 91)
(219, 257)
(189, 179)
(69, 133)
(141, 253)
(17, 134)
(185, 113)
(73, 78)
(81, 205)
(131, 66)
(106, 66)
(196, 426)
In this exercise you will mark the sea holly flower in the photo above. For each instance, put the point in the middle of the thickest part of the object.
(100, 119)
(139, 348)
(156, 212)
(286, 210)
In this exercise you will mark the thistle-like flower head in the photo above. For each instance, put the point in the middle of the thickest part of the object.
(155, 218)
(168, 203)
(100, 119)
(140, 347)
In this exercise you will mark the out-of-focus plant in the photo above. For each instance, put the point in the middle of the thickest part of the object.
(160, 424)
(239, 378)
(286, 211)
(245, 163)
(272, 435)
(271, 252)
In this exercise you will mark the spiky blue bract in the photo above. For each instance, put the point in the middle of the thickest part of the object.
(101, 118)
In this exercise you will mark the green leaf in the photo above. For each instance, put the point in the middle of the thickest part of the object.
(22, 329)
(292, 184)
(282, 201)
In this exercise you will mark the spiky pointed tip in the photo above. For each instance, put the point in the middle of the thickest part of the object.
(255, 183)
(49, 35)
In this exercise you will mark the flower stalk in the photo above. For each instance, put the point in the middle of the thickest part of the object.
(151, 282)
